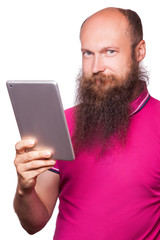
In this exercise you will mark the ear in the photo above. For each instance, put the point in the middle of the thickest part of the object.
(140, 51)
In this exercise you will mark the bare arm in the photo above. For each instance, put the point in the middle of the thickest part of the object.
(37, 189)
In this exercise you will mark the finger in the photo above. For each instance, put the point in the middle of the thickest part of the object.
(35, 165)
(34, 155)
(34, 173)
(21, 146)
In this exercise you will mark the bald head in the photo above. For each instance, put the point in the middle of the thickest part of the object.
(102, 14)
(133, 23)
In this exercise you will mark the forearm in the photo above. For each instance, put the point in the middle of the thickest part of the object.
(31, 212)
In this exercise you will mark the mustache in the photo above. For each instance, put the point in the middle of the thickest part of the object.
(98, 78)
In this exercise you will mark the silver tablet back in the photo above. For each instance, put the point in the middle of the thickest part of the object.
(39, 114)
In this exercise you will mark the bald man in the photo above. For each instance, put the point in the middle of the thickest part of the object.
(112, 189)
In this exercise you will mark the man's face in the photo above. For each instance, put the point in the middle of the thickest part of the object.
(106, 46)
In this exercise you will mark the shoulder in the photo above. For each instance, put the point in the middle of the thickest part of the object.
(69, 113)
(154, 105)
(152, 114)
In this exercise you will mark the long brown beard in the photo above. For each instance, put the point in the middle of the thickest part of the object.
(103, 107)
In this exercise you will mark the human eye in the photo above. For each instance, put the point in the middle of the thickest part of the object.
(111, 52)
(86, 53)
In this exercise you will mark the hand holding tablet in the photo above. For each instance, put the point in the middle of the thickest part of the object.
(39, 114)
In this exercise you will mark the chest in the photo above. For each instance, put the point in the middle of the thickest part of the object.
(133, 169)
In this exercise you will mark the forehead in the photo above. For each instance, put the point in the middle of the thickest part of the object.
(110, 27)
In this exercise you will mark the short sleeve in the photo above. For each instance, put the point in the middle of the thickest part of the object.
(55, 168)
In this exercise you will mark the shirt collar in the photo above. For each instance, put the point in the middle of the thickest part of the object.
(139, 102)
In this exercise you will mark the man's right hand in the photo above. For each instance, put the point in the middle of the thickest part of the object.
(30, 164)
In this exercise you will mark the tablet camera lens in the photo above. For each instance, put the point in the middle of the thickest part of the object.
(10, 86)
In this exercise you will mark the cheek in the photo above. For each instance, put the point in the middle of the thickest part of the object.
(86, 67)
(122, 66)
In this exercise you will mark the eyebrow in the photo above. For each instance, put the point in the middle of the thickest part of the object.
(85, 50)
(104, 49)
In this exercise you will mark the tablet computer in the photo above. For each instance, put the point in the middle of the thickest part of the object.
(39, 114)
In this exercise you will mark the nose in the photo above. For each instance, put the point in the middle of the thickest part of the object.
(98, 65)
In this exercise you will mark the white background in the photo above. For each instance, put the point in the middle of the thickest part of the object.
(40, 40)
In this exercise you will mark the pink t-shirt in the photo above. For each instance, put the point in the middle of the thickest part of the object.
(116, 197)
